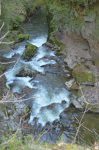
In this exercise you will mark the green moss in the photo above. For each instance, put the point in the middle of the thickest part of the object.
(58, 46)
(22, 37)
(30, 50)
(81, 74)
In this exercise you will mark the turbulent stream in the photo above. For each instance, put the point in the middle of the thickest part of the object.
(50, 96)
(49, 87)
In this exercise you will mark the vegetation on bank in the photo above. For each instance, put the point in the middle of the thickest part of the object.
(27, 143)
(16, 12)
(61, 15)
(68, 13)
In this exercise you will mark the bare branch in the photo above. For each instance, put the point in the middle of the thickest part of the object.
(5, 63)
(2, 75)
(7, 43)
(16, 101)
(80, 124)
(2, 38)
(2, 26)
(4, 35)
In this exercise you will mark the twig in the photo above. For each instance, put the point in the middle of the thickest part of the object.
(80, 122)
(4, 36)
(87, 129)
(7, 43)
(4, 63)
(2, 26)
(78, 128)
(16, 101)
(2, 75)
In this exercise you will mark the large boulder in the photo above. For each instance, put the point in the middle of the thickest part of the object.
(30, 51)
(26, 71)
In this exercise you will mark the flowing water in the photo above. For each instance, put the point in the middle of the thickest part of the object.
(50, 96)
(49, 87)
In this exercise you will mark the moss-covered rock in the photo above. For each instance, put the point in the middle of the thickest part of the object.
(30, 51)
(82, 74)
(26, 72)
(22, 37)
(58, 46)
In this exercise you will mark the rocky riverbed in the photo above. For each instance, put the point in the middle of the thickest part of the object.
(53, 89)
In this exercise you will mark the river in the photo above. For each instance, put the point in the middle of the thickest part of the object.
(51, 108)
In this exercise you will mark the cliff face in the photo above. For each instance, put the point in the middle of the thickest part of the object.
(76, 25)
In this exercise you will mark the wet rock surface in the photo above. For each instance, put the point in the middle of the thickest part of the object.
(79, 55)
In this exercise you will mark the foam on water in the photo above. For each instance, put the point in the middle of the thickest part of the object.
(20, 83)
(49, 115)
(42, 52)
(18, 50)
(49, 93)
(37, 62)
(34, 64)
(38, 41)
(43, 99)
(17, 82)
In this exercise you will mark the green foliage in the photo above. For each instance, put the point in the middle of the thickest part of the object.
(15, 144)
(28, 144)
(85, 3)
(30, 5)
(67, 13)
(13, 13)
(63, 15)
